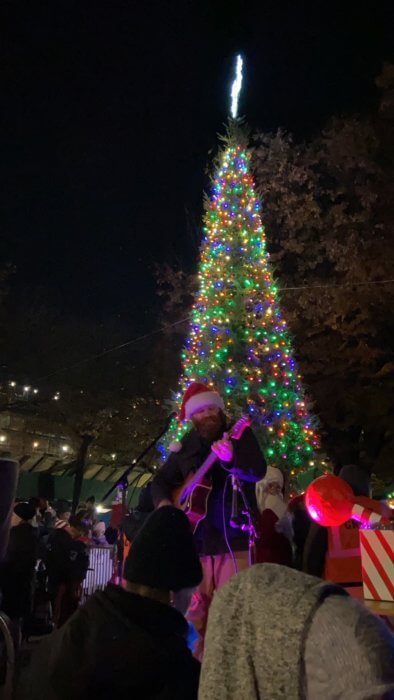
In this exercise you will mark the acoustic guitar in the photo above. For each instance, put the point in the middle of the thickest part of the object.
(192, 496)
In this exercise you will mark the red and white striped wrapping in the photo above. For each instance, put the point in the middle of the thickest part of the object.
(377, 561)
(367, 517)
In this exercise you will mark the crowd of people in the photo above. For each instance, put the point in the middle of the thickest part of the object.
(45, 563)
(253, 600)
(273, 632)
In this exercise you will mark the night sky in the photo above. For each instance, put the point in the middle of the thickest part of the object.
(110, 110)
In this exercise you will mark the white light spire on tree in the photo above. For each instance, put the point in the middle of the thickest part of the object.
(236, 87)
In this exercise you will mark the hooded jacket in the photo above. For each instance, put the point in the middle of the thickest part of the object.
(66, 559)
(118, 645)
(275, 633)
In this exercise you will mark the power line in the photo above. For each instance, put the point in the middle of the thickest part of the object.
(116, 347)
(138, 339)
(338, 286)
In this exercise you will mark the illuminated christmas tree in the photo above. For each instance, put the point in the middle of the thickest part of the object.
(238, 340)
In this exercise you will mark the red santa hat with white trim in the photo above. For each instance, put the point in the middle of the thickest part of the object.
(196, 397)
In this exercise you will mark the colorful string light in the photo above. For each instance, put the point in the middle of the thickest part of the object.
(238, 340)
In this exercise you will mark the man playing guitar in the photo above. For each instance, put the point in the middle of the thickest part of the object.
(242, 458)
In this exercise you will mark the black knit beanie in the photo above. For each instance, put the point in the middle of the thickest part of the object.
(163, 554)
(25, 511)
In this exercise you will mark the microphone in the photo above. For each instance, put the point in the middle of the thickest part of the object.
(234, 518)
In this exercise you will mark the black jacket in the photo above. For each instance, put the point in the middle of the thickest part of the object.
(118, 645)
(315, 550)
(249, 464)
(66, 559)
(17, 571)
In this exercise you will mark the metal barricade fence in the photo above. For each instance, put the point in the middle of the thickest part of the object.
(101, 569)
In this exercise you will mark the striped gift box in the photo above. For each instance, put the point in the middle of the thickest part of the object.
(377, 560)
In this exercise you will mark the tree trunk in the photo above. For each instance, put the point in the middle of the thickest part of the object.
(80, 464)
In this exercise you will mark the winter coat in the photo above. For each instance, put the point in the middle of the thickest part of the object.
(17, 571)
(275, 633)
(272, 545)
(249, 465)
(118, 645)
(66, 559)
(301, 522)
(9, 470)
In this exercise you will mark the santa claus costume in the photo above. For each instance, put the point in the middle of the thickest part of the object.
(274, 544)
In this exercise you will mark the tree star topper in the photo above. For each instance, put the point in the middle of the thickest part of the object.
(236, 87)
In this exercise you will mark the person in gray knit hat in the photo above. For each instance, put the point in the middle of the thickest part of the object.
(278, 634)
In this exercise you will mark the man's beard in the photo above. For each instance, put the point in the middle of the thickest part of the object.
(211, 428)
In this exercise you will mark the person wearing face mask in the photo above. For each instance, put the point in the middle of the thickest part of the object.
(274, 544)
(223, 549)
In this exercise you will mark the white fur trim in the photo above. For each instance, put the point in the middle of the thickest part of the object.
(199, 401)
(273, 475)
(276, 504)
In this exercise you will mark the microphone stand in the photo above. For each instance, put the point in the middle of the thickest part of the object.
(123, 484)
(247, 525)
(120, 483)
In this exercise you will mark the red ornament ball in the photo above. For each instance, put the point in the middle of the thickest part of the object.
(329, 500)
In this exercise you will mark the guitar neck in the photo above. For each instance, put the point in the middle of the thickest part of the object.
(235, 432)
(207, 464)
(202, 471)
